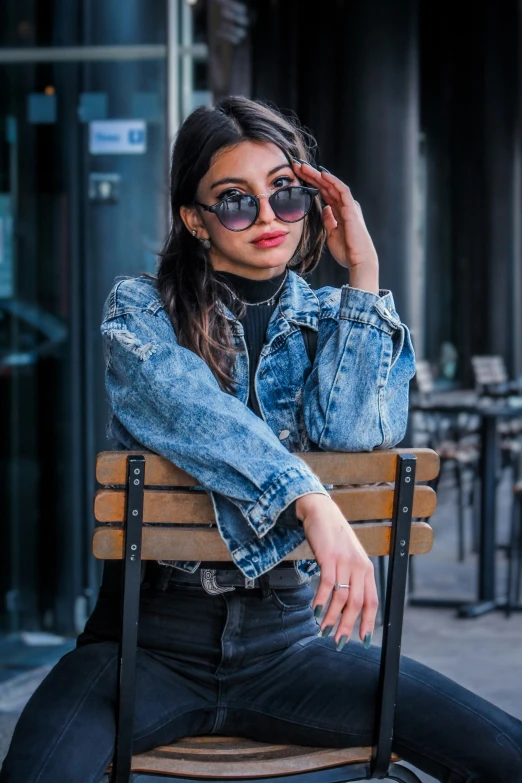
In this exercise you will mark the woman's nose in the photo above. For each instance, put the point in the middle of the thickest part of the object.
(266, 213)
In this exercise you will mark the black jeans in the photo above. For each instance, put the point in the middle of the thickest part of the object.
(248, 663)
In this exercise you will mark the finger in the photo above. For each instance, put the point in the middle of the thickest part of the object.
(305, 172)
(338, 601)
(353, 606)
(311, 176)
(329, 221)
(343, 190)
(371, 604)
(324, 590)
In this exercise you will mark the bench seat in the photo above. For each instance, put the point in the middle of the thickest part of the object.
(217, 757)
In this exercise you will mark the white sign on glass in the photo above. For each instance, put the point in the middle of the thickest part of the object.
(117, 137)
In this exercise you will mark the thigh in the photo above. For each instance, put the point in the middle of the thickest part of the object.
(320, 697)
(67, 730)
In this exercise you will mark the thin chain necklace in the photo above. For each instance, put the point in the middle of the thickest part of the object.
(256, 304)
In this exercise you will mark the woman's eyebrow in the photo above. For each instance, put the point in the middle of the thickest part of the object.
(229, 180)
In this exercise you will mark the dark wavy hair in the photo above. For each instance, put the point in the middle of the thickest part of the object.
(187, 284)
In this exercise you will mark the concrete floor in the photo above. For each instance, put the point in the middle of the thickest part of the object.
(483, 654)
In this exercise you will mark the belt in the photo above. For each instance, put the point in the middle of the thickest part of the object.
(221, 580)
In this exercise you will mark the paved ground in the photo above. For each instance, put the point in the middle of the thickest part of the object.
(483, 654)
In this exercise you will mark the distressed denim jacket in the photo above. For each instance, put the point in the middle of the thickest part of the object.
(164, 398)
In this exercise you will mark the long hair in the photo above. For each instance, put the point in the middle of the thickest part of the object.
(187, 284)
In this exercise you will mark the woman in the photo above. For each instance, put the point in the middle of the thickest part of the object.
(208, 366)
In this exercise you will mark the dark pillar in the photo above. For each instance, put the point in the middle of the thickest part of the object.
(502, 97)
(378, 111)
(355, 88)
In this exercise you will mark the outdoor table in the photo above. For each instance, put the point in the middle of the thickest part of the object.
(490, 412)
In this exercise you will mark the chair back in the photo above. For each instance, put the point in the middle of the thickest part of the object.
(148, 509)
(179, 521)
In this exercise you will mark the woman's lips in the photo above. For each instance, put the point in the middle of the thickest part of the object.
(270, 241)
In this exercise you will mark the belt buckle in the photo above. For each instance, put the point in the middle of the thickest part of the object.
(249, 583)
(209, 584)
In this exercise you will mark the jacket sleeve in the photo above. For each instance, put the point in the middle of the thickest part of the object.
(356, 396)
(169, 401)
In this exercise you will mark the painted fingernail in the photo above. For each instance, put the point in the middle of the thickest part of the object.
(367, 640)
(304, 161)
(326, 631)
(318, 610)
(340, 644)
(297, 161)
(322, 168)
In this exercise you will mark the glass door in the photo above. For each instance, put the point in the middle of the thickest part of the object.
(83, 199)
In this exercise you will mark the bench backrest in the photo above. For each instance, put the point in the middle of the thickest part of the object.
(179, 520)
(489, 370)
(150, 509)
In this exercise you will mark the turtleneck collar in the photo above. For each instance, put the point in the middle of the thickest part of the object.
(250, 290)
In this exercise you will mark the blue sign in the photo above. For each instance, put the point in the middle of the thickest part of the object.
(117, 137)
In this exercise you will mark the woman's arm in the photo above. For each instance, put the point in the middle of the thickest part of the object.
(168, 400)
(356, 397)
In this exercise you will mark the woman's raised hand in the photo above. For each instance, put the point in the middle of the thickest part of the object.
(347, 236)
(342, 560)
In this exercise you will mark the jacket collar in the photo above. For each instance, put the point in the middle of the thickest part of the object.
(297, 304)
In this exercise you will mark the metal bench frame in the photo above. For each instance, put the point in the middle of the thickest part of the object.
(379, 766)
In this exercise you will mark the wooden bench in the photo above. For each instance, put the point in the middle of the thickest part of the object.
(146, 511)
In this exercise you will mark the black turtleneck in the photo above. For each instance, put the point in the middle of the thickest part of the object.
(255, 323)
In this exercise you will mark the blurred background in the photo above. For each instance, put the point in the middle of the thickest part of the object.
(416, 105)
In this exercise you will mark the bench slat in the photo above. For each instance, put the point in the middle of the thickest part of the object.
(358, 504)
(331, 467)
(181, 543)
(235, 757)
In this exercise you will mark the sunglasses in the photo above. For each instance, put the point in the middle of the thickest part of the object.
(239, 212)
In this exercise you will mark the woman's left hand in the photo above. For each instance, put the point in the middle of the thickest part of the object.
(347, 236)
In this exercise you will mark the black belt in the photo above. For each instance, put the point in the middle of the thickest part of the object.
(213, 578)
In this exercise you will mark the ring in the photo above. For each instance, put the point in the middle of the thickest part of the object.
(337, 586)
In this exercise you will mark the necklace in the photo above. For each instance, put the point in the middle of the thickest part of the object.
(256, 304)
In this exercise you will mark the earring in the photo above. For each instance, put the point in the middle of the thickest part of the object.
(194, 233)
(206, 243)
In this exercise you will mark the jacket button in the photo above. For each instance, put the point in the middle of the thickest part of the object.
(284, 434)
(386, 312)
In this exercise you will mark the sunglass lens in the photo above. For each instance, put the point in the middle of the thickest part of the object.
(237, 212)
(291, 204)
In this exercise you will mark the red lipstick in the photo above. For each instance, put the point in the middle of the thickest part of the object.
(270, 239)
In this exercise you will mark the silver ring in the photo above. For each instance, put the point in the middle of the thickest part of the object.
(337, 586)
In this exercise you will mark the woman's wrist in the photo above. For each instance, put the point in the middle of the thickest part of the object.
(309, 503)
(366, 279)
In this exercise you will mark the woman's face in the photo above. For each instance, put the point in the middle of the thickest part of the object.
(251, 168)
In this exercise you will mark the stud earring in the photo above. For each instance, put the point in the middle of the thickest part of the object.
(194, 233)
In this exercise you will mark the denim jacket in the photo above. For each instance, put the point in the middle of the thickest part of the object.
(164, 398)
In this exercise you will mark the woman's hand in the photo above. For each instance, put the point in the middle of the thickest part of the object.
(347, 236)
(342, 559)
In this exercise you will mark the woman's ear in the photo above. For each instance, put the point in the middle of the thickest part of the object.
(192, 220)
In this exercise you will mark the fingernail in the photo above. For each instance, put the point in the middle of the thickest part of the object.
(296, 160)
(322, 168)
(340, 644)
(367, 640)
(304, 161)
(326, 631)
(318, 611)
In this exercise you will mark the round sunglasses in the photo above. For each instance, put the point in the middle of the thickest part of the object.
(239, 212)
